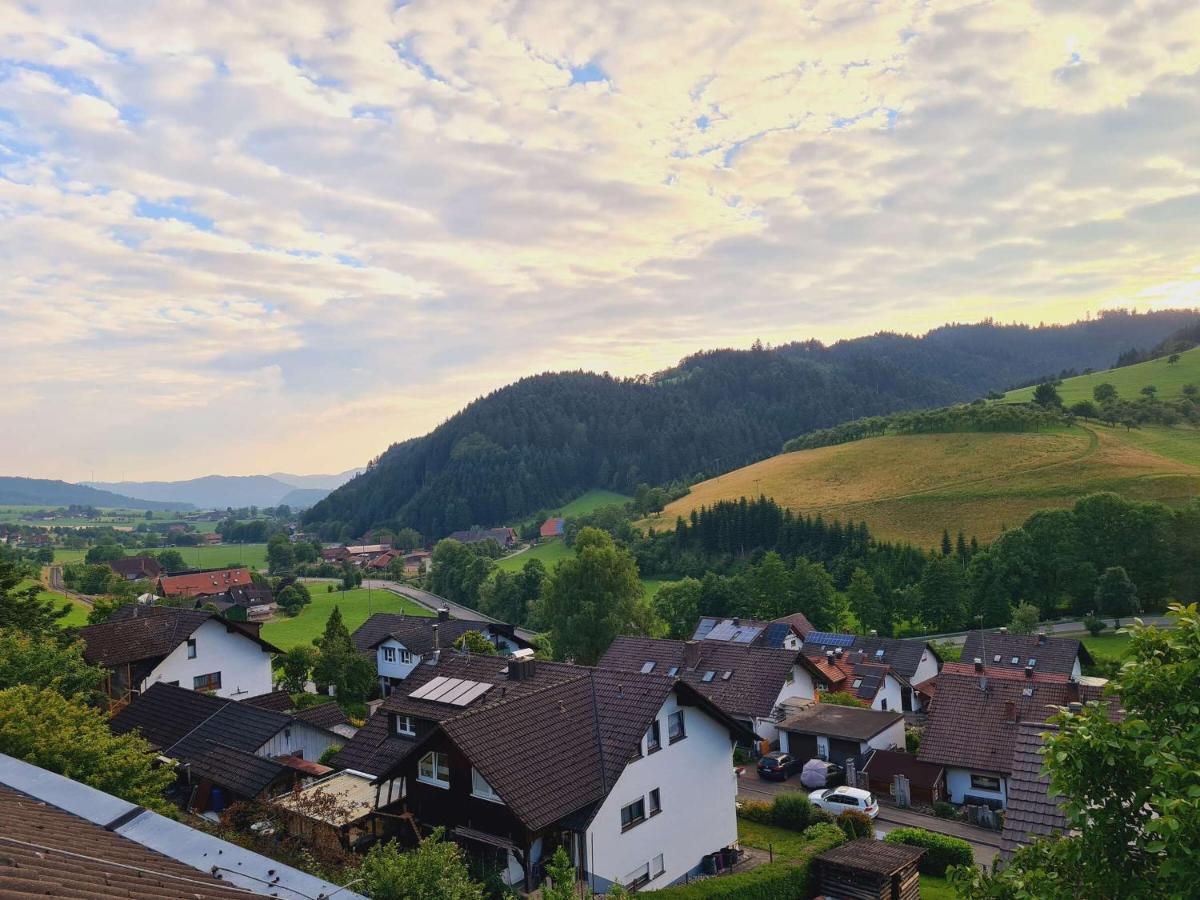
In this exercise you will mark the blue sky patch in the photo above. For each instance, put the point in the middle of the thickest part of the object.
(176, 208)
(588, 73)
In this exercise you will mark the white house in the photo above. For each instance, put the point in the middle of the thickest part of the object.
(888, 670)
(145, 645)
(839, 733)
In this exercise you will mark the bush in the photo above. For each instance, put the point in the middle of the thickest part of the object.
(825, 831)
(1094, 624)
(741, 757)
(912, 740)
(941, 851)
(944, 810)
(792, 811)
(757, 811)
(856, 824)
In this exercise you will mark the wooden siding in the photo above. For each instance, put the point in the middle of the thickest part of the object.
(855, 884)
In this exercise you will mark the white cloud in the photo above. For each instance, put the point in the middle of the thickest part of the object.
(316, 229)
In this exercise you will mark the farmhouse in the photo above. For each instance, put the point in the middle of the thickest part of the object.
(142, 645)
(399, 643)
(203, 584)
(839, 733)
(137, 568)
(1053, 655)
(552, 528)
(899, 665)
(226, 750)
(602, 762)
(748, 682)
(505, 537)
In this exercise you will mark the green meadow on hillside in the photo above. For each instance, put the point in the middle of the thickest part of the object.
(1128, 380)
(549, 552)
(356, 606)
(253, 556)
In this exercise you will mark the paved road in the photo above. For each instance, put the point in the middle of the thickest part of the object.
(960, 637)
(985, 843)
(433, 602)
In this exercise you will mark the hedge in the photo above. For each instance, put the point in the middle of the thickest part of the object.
(793, 811)
(770, 882)
(941, 851)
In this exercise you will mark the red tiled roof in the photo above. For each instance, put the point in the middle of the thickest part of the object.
(203, 584)
(552, 527)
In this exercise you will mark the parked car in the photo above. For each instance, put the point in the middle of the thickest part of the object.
(839, 799)
(777, 766)
(820, 773)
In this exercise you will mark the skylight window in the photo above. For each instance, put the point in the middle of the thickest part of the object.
(996, 658)
(879, 653)
(726, 676)
(1033, 660)
(708, 676)
(857, 683)
(1027, 692)
(648, 667)
(673, 671)
(1016, 660)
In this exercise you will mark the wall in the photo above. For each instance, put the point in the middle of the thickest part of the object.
(891, 693)
(800, 686)
(396, 669)
(245, 666)
(890, 738)
(698, 789)
(300, 739)
(958, 783)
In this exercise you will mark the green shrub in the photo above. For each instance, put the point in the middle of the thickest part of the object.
(793, 811)
(856, 824)
(822, 817)
(757, 811)
(1094, 624)
(941, 851)
(826, 832)
(912, 740)
(741, 757)
(944, 810)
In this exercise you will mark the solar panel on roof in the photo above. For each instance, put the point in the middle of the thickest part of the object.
(829, 639)
(477, 690)
(703, 628)
(776, 634)
(746, 635)
(723, 632)
(446, 687)
(432, 684)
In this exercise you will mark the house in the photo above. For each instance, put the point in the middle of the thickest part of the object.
(778, 634)
(926, 781)
(974, 720)
(839, 733)
(327, 714)
(399, 643)
(1054, 655)
(137, 568)
(867, 869)
(211, 538)
(334, 554)
(243, 603)
(226, 750)
(63, 838)
(876, 684)
(505, 537)
(552, 528)
(417, 562)
(203, 584)
(604, 763)
(749, 683)
(907, 664)
(367, 549)
(199, 650)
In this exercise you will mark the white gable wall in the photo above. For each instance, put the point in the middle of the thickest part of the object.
(696, 782)
(300, 739)
(244, 665)
(889, 696)
(395, 669)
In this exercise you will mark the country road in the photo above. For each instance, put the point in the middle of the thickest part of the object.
(959, 638)
(432, 602)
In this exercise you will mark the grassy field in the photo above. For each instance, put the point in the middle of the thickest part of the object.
(549, 553)
(592, 501)
(78, 614)
(116, 516)
(1129, 380)
(252, 555)
(1107, 645)
(356, 606)
(910, 487)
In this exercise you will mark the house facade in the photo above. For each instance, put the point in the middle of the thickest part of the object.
(891, 668)
(839, 733)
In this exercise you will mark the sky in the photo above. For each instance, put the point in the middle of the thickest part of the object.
(248, 237)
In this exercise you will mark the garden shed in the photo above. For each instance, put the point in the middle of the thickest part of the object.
(868, 869)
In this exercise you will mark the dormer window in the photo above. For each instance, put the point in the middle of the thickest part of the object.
(404, 725)
(389, 654)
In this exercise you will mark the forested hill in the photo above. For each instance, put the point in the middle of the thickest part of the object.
(541, 441)
(47, 492)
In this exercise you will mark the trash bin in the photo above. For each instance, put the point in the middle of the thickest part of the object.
(710, 864)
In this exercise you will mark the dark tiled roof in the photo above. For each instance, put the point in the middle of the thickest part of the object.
(903, 656)
(758, 674)
(136, 567)
(115, 867)
(323, 715)
(1033, 811)
(239, 770)
(869, 855)
(970, 728)
(280, 701)
(414, 632)
(1053, 655)
(141, 632)
(887, 764)
(847, 722)
(799, 622)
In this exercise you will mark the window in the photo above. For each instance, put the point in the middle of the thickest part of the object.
(996, 658)
(480, 788)
(883, 703)
(675, 729)
(633, 814)
(985, 782)
(657, 867)
(655, 802)
(673, 671)
(209, 682)
(879, 653)
(708, 676)
(653, 737)
(191, 645)
(857, 683)
(404, 725)
(434, 768)
(725, 676)
(389, 654)
(648, 667)
(405, 656)
(1033, 660)
(638, 877)
(1016, 660)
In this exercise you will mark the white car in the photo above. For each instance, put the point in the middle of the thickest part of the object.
(839, 799)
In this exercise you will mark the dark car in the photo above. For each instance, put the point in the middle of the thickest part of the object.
(777, 766)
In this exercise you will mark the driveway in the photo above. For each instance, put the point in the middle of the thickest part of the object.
(985, 843)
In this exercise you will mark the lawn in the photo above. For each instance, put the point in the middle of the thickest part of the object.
(783, 842)
(1129, 380)
(934, 888)
(1107, 645)
(356, 606)
(550, 553)
(78, 613)
(252, 555)
(591, 501)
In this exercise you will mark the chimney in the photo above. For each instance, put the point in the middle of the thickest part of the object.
(691, 654)
(1004, 629)
(1041, 637)
(437, 644)
(1010, 711)
(1075, 708)
(978, 664)
(838, 652)
(443, 614)
(736, 621)
(1029, 671)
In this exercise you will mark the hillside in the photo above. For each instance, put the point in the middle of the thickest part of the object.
(47, 492)
(540, 442)
(222, 491)
(1129, 380)
(911, 487)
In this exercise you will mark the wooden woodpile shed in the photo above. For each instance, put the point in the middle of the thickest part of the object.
(868, 869)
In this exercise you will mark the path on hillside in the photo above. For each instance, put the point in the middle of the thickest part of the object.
(433, 602)
(54, 581)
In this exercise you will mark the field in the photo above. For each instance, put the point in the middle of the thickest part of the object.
(115, 516)
(78, 614)
(592, 501)
(1129, 380)
(549, 553)
(356, 606)
(252, 555)
(910, 487)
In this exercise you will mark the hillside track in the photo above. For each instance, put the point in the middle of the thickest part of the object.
(52, 579)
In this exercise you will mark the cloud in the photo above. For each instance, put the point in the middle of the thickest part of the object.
(315, 230)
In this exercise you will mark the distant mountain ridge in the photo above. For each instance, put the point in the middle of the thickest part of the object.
(543, 440)
(222, 491)
(15, 491)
